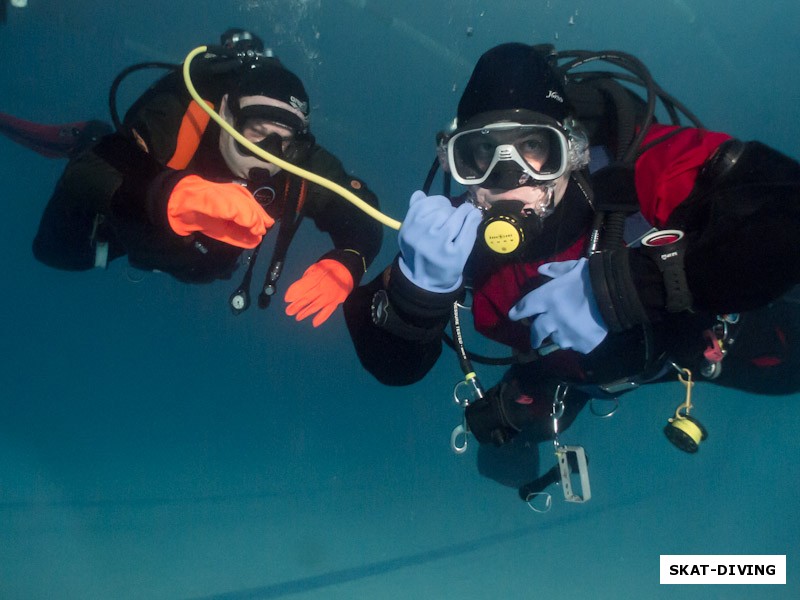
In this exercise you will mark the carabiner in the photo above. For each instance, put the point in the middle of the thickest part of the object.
(459, 431)
(458, 390)
(474, 391)
(548, 502)
(558, 400)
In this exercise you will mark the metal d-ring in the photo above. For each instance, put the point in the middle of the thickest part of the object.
(604, 414)
(548, 502)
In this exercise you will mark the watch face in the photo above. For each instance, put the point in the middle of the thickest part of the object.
(380, 303)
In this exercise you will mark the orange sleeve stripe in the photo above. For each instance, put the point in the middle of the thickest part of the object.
(193, 125)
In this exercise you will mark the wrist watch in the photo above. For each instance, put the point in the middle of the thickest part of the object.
(384, 316)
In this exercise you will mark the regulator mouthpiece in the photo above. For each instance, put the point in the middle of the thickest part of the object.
(502, 230)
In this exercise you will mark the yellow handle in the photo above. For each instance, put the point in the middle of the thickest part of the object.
(278, 162)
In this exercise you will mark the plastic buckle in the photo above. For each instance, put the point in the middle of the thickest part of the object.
(572, 460)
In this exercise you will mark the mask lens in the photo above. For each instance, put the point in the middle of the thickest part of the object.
(540, 150)
(272, 143)
(270, 137)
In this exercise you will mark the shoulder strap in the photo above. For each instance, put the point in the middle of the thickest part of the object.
(295, 192)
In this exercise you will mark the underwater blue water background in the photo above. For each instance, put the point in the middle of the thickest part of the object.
(154, 446)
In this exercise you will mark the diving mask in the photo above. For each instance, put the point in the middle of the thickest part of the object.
(535, 144)
(274, 130)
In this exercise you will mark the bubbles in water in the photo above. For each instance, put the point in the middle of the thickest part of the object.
(288, 23)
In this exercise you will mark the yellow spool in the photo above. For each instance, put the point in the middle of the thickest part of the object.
(689, 428)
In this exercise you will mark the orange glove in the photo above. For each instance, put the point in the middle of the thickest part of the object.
(224, 211)
(323, 287)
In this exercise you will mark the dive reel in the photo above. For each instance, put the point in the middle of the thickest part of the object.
(684, 430)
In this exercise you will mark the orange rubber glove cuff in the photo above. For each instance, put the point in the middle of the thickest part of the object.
(224, 211)
(321, 289)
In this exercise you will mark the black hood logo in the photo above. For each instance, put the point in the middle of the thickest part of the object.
(555, 96)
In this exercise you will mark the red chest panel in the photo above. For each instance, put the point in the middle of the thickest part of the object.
(495, 294)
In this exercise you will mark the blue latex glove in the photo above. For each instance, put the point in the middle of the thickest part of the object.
(564, 308)
(435, 242)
